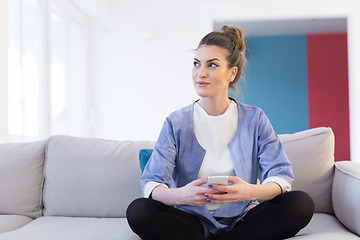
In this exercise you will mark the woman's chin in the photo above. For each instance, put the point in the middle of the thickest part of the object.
(202, 93)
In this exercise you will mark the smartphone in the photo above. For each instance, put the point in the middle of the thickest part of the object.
(221, 180)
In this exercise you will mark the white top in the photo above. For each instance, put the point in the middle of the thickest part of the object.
(214, 133)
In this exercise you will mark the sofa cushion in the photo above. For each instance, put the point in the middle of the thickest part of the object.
(311, 153)
(21, 174)
(326, 227)
(12, 222)
(73, 228)
(346, 199)
(91, 177)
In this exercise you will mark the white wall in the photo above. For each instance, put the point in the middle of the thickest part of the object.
(354, 81)
(141, 65)
(3, 70)
(141, 56)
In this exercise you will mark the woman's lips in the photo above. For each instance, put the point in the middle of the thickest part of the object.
(202, 84)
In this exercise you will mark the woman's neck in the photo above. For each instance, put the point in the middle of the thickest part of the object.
(214, 107)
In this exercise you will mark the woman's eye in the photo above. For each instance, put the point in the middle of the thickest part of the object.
(196, 64)
(213, 65)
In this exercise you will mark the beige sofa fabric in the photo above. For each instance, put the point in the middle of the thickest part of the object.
(311, 153)
(325, 226)
(322, 226)
(73, 228)
(91, 177)
(90, 182)
(346, 194)
(12, 222)
(21, 174)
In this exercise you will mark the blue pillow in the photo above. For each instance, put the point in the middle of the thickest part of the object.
(144, 156)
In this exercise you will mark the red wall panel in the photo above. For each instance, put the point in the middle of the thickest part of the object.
(327, 68)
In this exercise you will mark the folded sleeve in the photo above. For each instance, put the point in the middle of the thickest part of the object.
(150, 186)
(283, 183)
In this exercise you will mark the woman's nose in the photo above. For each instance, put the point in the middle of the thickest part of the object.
(202, 72)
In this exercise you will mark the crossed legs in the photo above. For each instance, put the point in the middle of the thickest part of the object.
(279, 218)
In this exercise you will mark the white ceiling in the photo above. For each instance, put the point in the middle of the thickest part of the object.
(288, 27)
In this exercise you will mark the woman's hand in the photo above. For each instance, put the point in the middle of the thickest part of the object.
(192, 194)
(243, 191)
(238, 191)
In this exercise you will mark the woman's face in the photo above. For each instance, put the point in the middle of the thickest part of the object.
(211, 75)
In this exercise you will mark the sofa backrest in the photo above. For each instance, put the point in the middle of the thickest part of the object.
(311, 153)
(91, 177)
(21, 175)
(86, 177)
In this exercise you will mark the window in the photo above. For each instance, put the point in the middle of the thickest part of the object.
(68, 92)
(47, 86)
(23, 69)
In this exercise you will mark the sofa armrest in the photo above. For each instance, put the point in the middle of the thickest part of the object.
(346, 194)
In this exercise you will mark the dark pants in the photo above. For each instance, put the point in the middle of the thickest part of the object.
(279, 218)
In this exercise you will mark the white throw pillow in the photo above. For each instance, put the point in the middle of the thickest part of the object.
(21, 175)
(91, 177)
(311, 153)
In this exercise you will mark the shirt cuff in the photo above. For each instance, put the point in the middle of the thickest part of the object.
(285, 185)
(149, 187)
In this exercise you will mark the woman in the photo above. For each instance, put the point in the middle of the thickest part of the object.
(218, 136)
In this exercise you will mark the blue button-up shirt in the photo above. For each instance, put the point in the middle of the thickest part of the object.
(177, 158)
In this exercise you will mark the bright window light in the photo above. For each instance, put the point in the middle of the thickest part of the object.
(47, 87)
(23, 67)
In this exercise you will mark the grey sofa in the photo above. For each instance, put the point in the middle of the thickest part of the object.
(78, 188)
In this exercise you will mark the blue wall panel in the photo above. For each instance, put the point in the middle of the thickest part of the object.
(276, 80)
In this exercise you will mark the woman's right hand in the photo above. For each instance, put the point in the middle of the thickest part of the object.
(192, 194)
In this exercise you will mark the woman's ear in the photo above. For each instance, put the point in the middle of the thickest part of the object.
(233, 72)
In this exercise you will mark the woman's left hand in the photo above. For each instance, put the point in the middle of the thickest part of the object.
(238, 191)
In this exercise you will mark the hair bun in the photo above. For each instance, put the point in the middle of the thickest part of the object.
(236, 34)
